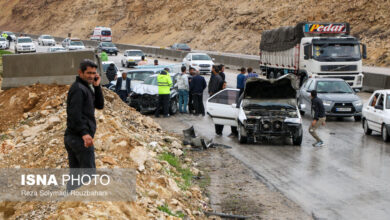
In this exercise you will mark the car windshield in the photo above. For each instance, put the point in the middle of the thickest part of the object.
(139, 75)
(135, 53)
(336, 52)
(24, 40)
(333, 87)
(47, 37)
(151, 80)
(200, 57)
(106, 33)
(76, 43)
(183, 46)
(106, 65)
(108, 44)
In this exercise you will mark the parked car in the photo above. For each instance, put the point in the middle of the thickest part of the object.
(144, 96)
(108, 47)
(24, 45)
(56, 49)
(9, 33)
(376, 114)
(338, 97)
(267, 108)
(131, 58)
(3, 43)
(73, 44)
(180, 46)
(46, 40)
(199, 61)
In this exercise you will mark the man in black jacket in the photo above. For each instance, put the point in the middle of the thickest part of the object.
(319, 117)
(111, 72)
(84, 96)
(122, 87)
(216, 81)
(197, 86)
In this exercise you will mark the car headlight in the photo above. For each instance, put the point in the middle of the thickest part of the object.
(359, 80)
(327, 103)
(358, 103)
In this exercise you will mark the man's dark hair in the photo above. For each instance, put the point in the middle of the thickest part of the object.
(143, 58)
(313, 93)
(155, 61)
(192, 68)
(166, 69)
(221, 66)
(216, 68)
(87, 63)
(243, 69)
(250, 69)
(183, 68)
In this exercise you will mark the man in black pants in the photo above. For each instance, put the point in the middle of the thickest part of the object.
(84, 96)
(197, 86)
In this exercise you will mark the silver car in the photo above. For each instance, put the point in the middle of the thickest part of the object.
(338, 97)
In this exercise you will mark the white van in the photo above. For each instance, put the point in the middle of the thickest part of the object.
(101, 34)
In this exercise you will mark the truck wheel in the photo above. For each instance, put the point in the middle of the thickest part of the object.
(357, 118)
(173, 106)
(297, 140)
(366, 129)
(242, 139)
(385, 134)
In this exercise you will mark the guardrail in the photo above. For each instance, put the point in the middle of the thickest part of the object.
(372, 80)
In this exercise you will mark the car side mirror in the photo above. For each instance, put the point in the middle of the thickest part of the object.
(379, 107)
(307, 52)
(364, 55)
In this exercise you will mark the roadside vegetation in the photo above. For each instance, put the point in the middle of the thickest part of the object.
(184, 175)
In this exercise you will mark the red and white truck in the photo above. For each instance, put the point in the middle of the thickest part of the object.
(101, 34)
(313, 49)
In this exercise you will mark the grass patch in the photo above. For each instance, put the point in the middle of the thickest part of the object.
(2, 52)
(3, 137)
(165, 208)
(185, 173)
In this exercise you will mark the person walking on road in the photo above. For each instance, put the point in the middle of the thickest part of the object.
(251, 74)
(103, 56)
(241, 81)
(122, 87)
(84, 96)
(9, 38)
(183, 87)
(319, 118)
(198, 85)
(190, 101)
(164, 82)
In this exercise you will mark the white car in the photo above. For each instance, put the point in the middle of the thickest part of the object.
(376, 114)
(24, 45)
(3, 43)
(267, 108)
(131, 58)
(10, 34)
(56, 49)
(73, 44)
(199, 61)
(46, 40)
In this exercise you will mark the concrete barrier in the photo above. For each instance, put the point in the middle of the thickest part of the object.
(45, 68)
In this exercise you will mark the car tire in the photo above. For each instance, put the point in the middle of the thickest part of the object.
(173, 106)
(366, 129)
(357, 118)
(385, 134)
(300, 110)
(116, 54)
(242, 139)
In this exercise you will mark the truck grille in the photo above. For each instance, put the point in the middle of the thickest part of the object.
(339, 68)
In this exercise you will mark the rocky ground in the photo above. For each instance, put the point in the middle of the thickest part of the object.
(33, 121)
(218, 25)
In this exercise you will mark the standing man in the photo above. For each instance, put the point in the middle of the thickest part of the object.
(319, 117)
(84, 96)
(143, 61)
(164, 82)
(111, 72)
(156, 62)
(222, 71)
(122, 87)
(183, 86)
(216, 82)
(251, 74)
(103, 56)
(190, 101)
(198, 84)
(9, 38)
(241, 81)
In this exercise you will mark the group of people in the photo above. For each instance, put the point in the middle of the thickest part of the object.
(7, 37)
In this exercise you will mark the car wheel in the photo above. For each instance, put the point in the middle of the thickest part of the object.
(173, 106)
(297, 140)
(300, 110)
(357, 118)
(366, 129)
(242, 139)
(385, 134)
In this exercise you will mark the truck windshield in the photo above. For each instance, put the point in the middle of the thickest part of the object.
(106, 33)
(336, 52)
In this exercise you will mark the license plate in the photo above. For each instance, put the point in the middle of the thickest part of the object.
(343, 109)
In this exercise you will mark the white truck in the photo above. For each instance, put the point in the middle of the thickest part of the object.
(313, 50)
(101, 34)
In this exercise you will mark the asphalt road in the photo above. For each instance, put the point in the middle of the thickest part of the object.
(348, 178)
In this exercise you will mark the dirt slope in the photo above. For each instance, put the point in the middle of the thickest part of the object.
(221, 25)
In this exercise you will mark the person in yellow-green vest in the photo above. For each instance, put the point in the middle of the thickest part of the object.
(164, 83)
(103, 56)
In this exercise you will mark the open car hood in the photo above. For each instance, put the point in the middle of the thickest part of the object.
(282, 88)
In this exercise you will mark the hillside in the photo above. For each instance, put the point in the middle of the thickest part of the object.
(221, 25)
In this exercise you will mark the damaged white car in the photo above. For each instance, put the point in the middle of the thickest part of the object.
(266, 109)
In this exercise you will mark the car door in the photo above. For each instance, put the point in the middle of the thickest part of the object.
(221, 107)
(377, 120)
(368, 111)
